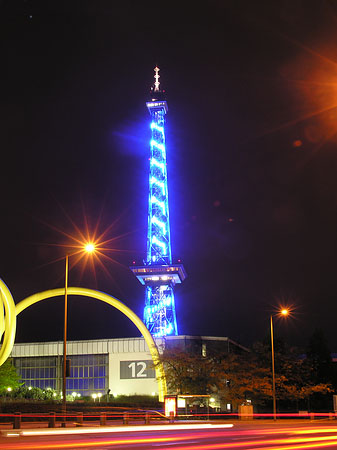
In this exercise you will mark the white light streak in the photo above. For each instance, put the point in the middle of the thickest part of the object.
(159, 244)
(159, 223)
(158, 145)
(154, 180)
(124, 428)
(156, 163)
(159, 203)
(157, 127)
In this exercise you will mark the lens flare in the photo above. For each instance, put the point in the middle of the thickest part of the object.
(90, 247)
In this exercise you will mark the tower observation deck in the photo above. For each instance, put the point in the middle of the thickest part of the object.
(158, 274)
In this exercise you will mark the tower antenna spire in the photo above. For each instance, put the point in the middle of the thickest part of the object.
(156, 77)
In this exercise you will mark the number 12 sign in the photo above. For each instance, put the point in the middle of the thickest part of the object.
(136, 370)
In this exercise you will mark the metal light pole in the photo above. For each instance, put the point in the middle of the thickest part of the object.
(89, 248)
(283, 312)
(64, 379)
(273, 365)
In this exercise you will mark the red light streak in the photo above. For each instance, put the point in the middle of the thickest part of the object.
(86, 443)
(100, 442)
(254, 444)
(277, 444)
(297, 447)
(284, 443)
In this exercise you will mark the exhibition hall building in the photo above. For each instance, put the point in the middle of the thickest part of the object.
(105, 366)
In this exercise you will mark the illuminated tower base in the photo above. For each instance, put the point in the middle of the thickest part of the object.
(158, 274)
(159, 311)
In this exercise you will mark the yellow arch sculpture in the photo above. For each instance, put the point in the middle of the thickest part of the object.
(8, 322)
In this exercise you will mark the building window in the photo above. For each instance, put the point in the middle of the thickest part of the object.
(38, 371)
(88, 373)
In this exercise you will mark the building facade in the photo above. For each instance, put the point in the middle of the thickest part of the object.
(105, 366)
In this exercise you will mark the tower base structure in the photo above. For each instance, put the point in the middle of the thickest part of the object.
(159, 311)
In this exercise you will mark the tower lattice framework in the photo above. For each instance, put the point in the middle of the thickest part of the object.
(158, 274)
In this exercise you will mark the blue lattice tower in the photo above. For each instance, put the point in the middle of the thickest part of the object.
(158, 274)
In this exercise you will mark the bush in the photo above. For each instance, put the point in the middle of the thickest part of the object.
(29, 393)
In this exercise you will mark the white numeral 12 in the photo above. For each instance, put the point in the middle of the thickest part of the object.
(140, 373)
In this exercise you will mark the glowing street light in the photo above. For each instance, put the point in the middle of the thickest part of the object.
(89, 248)
(283, 312)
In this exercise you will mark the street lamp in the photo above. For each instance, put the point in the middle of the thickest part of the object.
(283, 312)
(89, 247)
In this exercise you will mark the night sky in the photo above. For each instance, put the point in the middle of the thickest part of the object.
(252, 160)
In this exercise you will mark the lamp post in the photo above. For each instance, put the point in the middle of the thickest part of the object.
(283, 312)
(89, 248)
(64, 378)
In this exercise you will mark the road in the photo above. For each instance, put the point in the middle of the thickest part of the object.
(241, 436)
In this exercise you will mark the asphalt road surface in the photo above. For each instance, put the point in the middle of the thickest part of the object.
(240, 436)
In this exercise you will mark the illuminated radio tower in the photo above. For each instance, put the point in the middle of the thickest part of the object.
(158, 274)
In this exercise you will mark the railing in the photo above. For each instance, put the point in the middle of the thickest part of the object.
(106, 418)
(78, 419)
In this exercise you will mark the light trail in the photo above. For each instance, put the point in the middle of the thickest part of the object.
(298, 447)
(85, 443)
(277, 444)
(254, 445)
(297, 441)
(206, 431)
(111, 442)
(124, 429)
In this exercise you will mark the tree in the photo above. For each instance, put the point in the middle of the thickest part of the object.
(9, 377)
(318, 358)
(234, 378)
(293, 373)
(186, 373)
(237, 378)
(230, 376)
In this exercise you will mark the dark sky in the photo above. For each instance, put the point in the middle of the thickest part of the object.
(252, 159)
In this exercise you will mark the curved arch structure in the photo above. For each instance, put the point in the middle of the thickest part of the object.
(8, 322)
